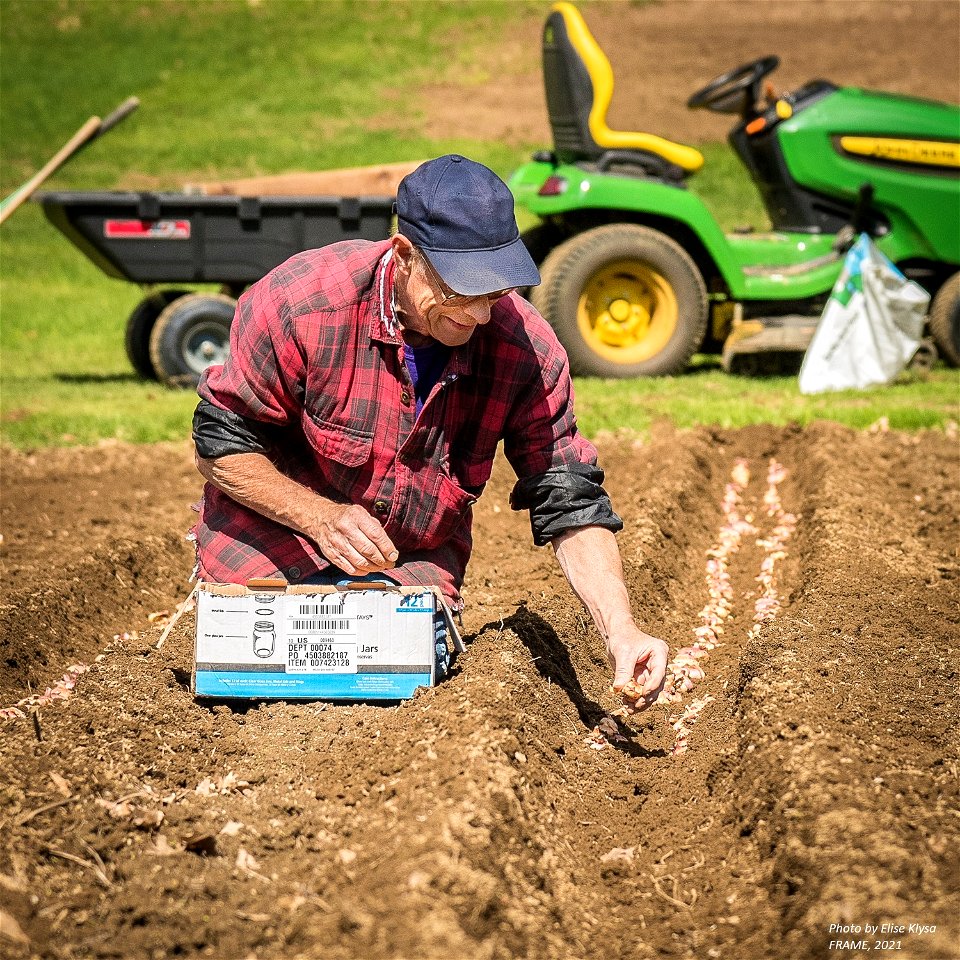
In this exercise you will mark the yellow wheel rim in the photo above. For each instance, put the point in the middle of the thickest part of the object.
(627, 312)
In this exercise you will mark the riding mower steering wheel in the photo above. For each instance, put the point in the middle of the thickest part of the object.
(736, 91)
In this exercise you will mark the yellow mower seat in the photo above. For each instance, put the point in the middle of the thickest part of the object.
(579, 86)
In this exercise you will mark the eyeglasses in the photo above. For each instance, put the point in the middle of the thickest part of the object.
(448, 296)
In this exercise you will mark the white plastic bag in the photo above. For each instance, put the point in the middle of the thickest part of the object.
(871, 327)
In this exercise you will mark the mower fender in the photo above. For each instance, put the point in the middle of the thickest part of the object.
(782, 265)
(574, 191)
(838, 144)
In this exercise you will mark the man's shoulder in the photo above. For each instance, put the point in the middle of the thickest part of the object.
(517, 325)
(327, 277)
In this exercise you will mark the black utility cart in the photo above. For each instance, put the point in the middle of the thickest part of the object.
(164, 241)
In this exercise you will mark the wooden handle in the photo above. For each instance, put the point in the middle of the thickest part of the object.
(23, 193)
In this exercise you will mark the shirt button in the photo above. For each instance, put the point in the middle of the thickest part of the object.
(294, 573)
(405, 397)
(380, 506)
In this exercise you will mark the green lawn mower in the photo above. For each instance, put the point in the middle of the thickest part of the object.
(637, 274)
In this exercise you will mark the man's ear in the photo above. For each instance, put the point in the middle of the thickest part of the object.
(402, 249)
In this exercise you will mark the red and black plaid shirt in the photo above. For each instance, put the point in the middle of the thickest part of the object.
(315, 354)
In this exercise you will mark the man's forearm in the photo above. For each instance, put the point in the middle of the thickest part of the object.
(253, 480)
(590, 560)
(347, 535)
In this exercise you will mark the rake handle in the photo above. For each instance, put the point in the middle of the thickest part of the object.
(54, 163)
(93, 128)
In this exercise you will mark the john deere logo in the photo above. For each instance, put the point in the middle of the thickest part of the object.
(934, 153)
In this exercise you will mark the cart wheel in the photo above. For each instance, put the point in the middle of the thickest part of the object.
(191, 334)
(625, 300)
(140, 325)
(945, 320)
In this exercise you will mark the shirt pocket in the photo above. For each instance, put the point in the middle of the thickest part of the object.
(473, 474)
(339, 451)
(450, 505)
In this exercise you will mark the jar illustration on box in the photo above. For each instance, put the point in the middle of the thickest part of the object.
(264, 638)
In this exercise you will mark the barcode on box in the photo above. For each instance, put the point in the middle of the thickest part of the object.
(312, 609)
(324, 626)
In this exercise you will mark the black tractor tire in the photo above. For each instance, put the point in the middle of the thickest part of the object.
(944, 320)
(625, 301)
(191, 334)
(140, 326)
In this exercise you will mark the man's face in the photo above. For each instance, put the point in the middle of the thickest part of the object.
(450, 323)
(429, 310)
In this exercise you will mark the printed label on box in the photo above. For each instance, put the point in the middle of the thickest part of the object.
(320, 655)
(320, 635)
(313, 643)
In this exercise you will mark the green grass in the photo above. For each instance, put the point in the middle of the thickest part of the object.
(724, 187)
(705, 395)
(228, 88)
(243, 88)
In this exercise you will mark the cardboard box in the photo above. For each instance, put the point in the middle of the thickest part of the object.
(268, 640)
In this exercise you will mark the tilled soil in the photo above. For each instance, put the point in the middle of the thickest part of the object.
(474, 822)
(661, 53)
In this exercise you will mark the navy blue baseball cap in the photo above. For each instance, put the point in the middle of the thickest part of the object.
(460, 214)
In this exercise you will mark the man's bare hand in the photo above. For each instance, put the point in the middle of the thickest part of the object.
(639, 662)
(352, 539)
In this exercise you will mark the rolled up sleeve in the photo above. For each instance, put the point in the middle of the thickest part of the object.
(220, 433)
(565, 498)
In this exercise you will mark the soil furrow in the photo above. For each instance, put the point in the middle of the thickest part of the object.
(848, 703)
(93, 541)
(702, 883)
(54, 621)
